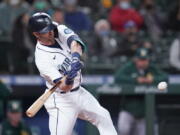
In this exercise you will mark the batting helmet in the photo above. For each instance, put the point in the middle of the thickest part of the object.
(41, 22)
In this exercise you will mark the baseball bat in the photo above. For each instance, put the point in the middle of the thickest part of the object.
(37, 105)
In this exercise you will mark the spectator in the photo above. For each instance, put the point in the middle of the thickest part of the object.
(104, 40)
(173, 22)
(104, 8)
(130, 40)
(14, 125)
(175, 53)
(122, 13)
(5, 93)
(75, 18)
(41, 6)
(23, 48)
(154, 19)
(140, 71)
(9, 10)
(148, 45)
(56, 3)
(91, 4)
(58, 16)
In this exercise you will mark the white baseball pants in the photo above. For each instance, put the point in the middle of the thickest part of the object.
(64, 109)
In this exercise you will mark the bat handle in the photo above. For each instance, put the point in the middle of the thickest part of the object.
(29, 114)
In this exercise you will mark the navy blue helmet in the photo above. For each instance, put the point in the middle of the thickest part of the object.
(41, 22)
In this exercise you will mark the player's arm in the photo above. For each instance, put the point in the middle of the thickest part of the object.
(68, 80)
(76, 51)
(50, 73)
(76, 48)
(72, 39)
(63, 85)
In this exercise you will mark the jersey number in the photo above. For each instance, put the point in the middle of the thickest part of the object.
(65, 66)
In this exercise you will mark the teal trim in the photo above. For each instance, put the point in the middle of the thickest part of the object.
(82, 44)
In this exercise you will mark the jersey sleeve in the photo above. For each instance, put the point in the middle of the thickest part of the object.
(47, 69)
(67, 35)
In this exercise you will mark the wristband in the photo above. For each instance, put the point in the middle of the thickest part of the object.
(76, 54)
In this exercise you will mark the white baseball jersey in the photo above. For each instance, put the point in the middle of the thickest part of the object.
(64, 108)
(54, 61)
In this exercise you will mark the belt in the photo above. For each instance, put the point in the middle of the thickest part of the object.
(72, 90)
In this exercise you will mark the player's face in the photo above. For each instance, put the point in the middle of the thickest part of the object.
(48, 36)
(142, 63)
(45, 37)
(14, 116)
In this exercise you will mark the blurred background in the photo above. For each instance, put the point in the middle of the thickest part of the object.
(132, 45)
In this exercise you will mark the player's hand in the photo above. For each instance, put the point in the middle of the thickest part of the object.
(70, 76)
(149, 80)
(76, 63)
(75, 58)
(75, 67)
(141, 80)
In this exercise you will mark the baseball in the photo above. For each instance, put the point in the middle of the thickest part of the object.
(162, 86)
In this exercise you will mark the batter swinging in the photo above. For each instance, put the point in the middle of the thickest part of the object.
(57, 54)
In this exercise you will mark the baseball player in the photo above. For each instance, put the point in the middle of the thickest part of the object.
(58, 52)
